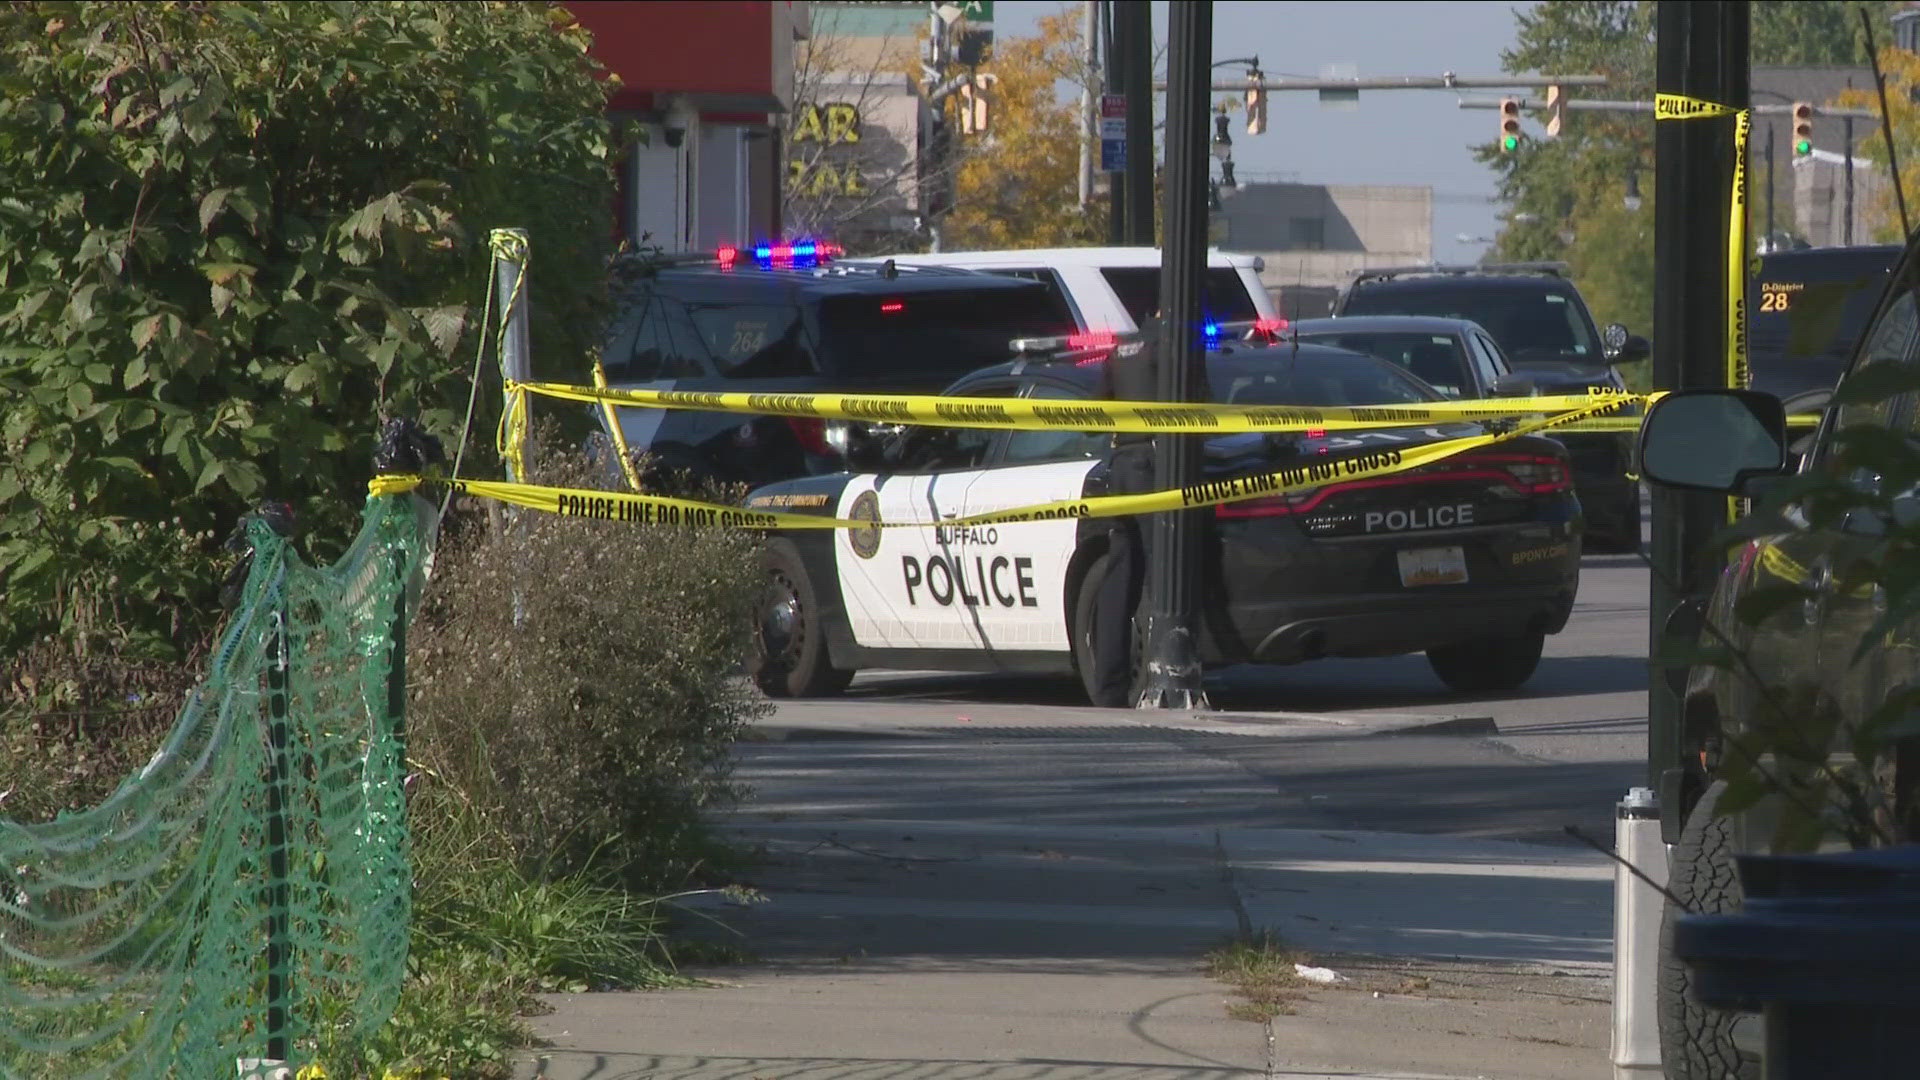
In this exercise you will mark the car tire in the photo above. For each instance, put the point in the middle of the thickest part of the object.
(1084, 664)
(790, 657)
(1489, 663)
(1696, 1042)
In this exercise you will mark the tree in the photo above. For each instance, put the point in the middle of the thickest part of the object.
(233, 237)
(1799, 32)
(1902, 71)
(1018, 186)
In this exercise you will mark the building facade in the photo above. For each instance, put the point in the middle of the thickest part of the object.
(1314, 236)
(705, 87)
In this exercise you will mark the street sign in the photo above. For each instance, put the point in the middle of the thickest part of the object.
(1340, 98)
(1113, 132)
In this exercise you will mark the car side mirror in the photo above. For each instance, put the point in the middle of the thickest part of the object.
(1621, 347)
(1713, 440)
(1513, 385)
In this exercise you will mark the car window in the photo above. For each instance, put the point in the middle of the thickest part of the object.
(754, 341)
(1891, 341)
(1490, 355)
(1044, 276)
(1335, 379)
(941, 449)
(932, 333)
(1436, 358)
(1223, 296)
(664, 343)
(1531, 323)
(1027, 447)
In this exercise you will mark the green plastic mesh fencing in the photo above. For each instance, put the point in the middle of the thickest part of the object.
(248, 890)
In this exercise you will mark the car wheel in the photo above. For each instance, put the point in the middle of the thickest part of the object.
(1696, 1043)
(1490, 663)
(790, 656)
(1085, 654)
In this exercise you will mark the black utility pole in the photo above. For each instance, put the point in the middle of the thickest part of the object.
(1701, 51)
(1133, 34)
(1846, 236)
(1769, 187)
(1173, 550)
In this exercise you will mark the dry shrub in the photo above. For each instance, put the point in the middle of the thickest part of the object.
(578, 682)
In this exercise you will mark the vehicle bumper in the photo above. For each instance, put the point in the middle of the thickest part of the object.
(1388, 624)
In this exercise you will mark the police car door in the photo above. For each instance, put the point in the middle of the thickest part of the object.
(898, 589)
(1016, 574)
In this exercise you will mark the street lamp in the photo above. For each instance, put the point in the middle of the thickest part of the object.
(1223, 148)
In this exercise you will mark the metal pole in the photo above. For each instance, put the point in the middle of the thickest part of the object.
(279, 895)
(1137, 18)
(1700, 51)
(1847, 229)
(1769, 187)
(1112, 47)
(1173, 677)
(1089, 76)
(516, 347)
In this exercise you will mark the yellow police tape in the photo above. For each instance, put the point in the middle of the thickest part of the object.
(663, 510)
(1132, 417)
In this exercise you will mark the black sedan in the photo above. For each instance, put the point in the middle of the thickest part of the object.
(1473, 560)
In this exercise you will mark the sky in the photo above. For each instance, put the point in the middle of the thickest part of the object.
(1392, 136)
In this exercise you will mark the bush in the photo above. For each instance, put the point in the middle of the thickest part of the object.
(578, 680)
(232, 237)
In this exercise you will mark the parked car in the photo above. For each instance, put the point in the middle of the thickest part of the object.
(788, 318)
(1454, 356)
(1545, 331)
(1473, 560)
(1114, 289)
(1797, 675)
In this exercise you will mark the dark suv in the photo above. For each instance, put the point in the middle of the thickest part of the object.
(1802, 609)
(1543, 326)
(785, 320)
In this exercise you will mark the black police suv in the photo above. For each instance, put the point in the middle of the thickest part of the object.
(1547, 333)
(1473, 560)
(1814, 659)
(787, 319)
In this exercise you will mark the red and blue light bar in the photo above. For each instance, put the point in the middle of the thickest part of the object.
(768, 256)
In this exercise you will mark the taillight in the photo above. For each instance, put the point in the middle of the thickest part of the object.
(1535, 474)
(811, 433)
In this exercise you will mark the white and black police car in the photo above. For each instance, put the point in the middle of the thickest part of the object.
(1473, 560)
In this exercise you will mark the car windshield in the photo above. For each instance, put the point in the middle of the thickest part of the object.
(1532, 323)
(1223, 296)
(946, 332)
(1435, 358)
(1322, 377)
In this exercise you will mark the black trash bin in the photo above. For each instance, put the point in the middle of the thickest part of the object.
(1827, 947)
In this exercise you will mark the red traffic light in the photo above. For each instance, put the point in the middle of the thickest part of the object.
(1509, 125)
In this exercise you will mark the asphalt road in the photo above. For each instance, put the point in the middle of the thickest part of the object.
(1566, 745)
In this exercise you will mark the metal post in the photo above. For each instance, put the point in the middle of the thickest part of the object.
(1089, 76)
(1770, 187)
(516, 348)
(279, 896)
(1174, 574)
(1113, 46)
(1846, 235)
(1637, 906)
(1700, 51)
(1136, 17)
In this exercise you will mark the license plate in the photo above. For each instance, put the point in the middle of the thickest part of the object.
(1433, 566)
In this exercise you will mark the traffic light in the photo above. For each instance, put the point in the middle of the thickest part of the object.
(1509, 125)
(976, 112)
(1802, 129)
(1556, 110)
(1256, 104)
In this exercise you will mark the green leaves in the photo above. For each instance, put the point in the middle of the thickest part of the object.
(226, 274)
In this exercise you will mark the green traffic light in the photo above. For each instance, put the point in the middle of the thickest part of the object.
(1803, 147)
(1510, 143)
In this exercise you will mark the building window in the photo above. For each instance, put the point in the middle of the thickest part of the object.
(1307, 234)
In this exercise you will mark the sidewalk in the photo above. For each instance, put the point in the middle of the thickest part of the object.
(936, 949)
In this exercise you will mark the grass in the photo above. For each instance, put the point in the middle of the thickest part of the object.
(1261, 971)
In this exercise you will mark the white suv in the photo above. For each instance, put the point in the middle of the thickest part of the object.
(1113, 288)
